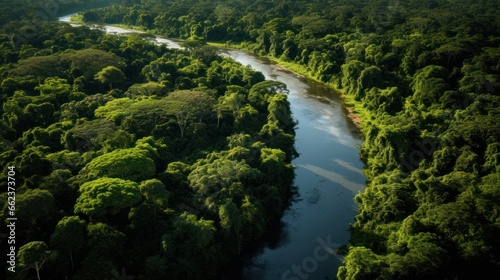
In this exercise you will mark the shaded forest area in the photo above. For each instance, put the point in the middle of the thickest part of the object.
(423, 76)
(126, 156)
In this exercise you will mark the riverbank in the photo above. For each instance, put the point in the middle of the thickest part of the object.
(354, 110)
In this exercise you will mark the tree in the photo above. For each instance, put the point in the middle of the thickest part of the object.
(191, 245)
(487, 200)
(155, 193)
(210, 178)
(110, 75)
(91, 61)
(231, 223)
(40, 114)
(201, 101)
(89, 135)
(351, 72)
(115, 110)
(183, 114)
(128, 164)
(248, 119)
(35, 209)
(429, 91)
(276, 138)
(279, 113)
(233, 100)
(221, 110)
(424, 257)
(34, 255)
(206, 54)
(253, 219)
(146, 20)
(39, 66)
(107, 196)
(368, 78)
(193, 43)
(55, 87)
(177, 173)
(361, 264)
(96, 264)
(188, 105)
(147, 89)
(104, 239)
(156, 267)
(104, 244)
(276, 169)
(69, 236)
(33, 162)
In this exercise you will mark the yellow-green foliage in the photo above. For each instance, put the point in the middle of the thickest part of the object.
(129, 164)
(105, 196)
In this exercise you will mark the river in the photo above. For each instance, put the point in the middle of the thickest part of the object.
(328, 175)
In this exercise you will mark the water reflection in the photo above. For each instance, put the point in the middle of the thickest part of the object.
(348, 165)
(335, 177)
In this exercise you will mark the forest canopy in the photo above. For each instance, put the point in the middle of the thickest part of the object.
(424, 76)
(129, 154)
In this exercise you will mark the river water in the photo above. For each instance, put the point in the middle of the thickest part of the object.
(302, 244)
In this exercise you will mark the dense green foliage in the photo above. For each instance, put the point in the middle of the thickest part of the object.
(423, 75)
(129, 154)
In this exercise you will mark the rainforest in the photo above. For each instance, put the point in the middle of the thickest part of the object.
(117, 152)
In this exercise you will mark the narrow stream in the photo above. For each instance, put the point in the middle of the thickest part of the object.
(328, 173)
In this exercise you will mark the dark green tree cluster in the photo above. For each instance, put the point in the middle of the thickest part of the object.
(33, 13)
(129, 154)
(425, 78)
